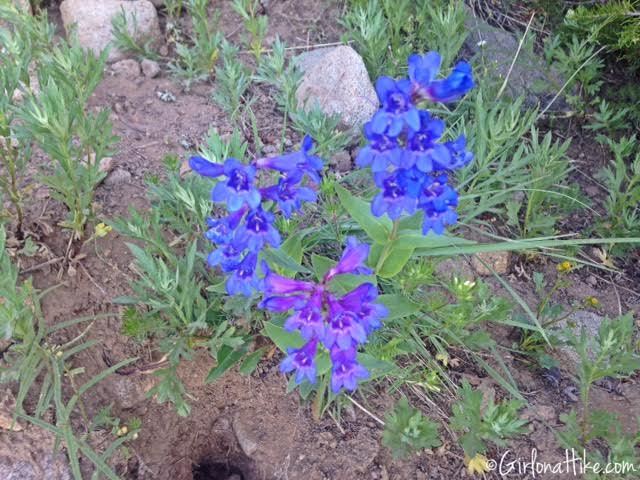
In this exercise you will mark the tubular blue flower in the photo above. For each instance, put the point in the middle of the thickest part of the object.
(227, 257)
(361, 300)
(204, 167)
(244, 279)
(346, 370)
(458, 155)
(381, 151)
(352, 260)
(284, 304)
(343, 328)
(397, 109)
(288, 195)
(394, 197)
(275, 284)
(459, 82)
(303, 361)
(257, 231)
(422, 149)
(221, 229)
(302, 161)
(423, 69)
(309, 320)
(238, 190)
(438, 201)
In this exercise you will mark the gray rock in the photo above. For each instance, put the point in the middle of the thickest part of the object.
(29, 455)
(117, 177)
(150, 69)
(581, 319)
(93, 20)
(531, 76)
(336, 79)
(127, 68)
(454, 267)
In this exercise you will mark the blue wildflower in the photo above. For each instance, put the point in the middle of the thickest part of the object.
(438, 201)
(226, 256)
(206, 168)
(397, 109)
(279, 285)
(452, 88)
(244, 279)
(361, 300)
(346, 370)
(238, 190)
(352, 260)
(458, 155)
(423, 149)
(257, 231)
(302, 161)
(308, 320)
(423, 69)
(343, 328)
(288, 195)
(394, 197)
(303, 361)
(381, 151)
(221, 229)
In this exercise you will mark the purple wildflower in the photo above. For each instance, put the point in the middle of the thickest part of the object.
(423, 149)
(303, 361)
(352, 260)
(288, 195)
(397, 109)
(302, 161)
(394, 197)
(381, 151)
(244, 279)
(257, 231)
(238, 190)
(346, 370)
(452, 88)
(438, 201)
(204, 167)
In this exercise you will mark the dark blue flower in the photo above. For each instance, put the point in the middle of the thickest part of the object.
(438, 201)
(302, 161)
(423, 69)
(343, 328)
(308, 320)
(397, 109)
(381, 151)
(257, 231)
(352, 260)
(346, 370)
(458, 155)
(244, 279)
(238, 189)
(227, 257)
(204, 167)
(288, 195)
(361, 301)
(459, 82)
(423, 149)
(221, 229)
(303, 361)
(394, 197)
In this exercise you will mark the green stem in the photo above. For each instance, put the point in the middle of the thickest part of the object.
(387, 247)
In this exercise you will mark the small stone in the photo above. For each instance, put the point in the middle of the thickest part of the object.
(127, 68)
(336, 80)
(7, 409)
(93, 22)
(106, 165)
(117, 177)
(542, 413)
(150, 69)
(454, 267)
(342, 161)
(592, 280)
(497, 262)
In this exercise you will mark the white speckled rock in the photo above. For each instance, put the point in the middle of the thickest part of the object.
(93, 20)
(336, 79)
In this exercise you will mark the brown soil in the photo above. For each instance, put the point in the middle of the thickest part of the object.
(249, 426)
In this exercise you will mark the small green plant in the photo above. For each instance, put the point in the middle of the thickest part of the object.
(58, 121)
(127, 39)
(232, 81)
(407, 430)
(622, 183)
(612, 353)
(494, 423)
(285, 77)
(255, 24)
(174, 8)
(44, 370)
(196, 57)
(609, 118)
(323, 129)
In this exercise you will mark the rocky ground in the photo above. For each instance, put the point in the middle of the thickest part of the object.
(248, 427)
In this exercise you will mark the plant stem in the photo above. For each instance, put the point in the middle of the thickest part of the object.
(387, 247)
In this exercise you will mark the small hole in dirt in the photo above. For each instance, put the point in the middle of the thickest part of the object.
(209, 470)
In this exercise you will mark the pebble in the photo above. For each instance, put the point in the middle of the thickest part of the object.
(150, 68)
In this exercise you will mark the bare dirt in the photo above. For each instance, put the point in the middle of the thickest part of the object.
(248, 427)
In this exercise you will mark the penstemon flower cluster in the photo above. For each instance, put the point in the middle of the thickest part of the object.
(248, 228)
(408, 161)
(339, 324)
(410, 164)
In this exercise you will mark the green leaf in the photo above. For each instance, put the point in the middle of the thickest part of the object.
(378, 229)
(227, 358)
(292, 246)
(415, 239)
(398, 305)
(280, 258)
(281, 337)
(396, 259)
(250, 363)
